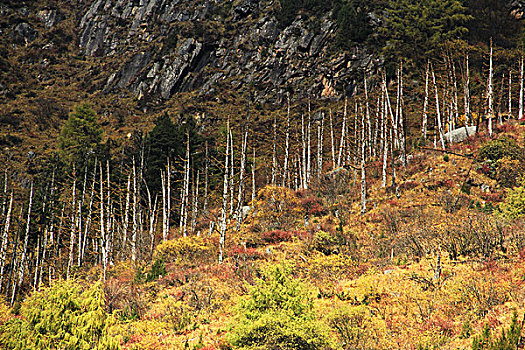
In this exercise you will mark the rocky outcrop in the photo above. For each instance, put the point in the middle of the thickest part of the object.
(252, 52)
(517, 8)
(24, 33)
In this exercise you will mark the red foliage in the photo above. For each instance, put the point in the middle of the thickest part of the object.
(244, 253)
(493, 197)
(276, 236)
(312, 205)
(445, 326)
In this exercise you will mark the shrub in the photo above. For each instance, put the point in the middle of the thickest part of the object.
(62, 316)
(157, 269)
(358, 328)
(278, 314)
(514, 205)
(276, 236)
(500, 148)
(184, 250)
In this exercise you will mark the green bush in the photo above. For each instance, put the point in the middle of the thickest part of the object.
(278, 314)
(62, 316)
(508, 340)
(514, 205)
(500, 148)
(157, 269)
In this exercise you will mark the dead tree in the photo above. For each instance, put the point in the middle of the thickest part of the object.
(287, 143)
(224, 219)
(490, 96)
(424, 124)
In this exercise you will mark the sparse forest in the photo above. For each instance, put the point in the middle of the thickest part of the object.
(380, 209)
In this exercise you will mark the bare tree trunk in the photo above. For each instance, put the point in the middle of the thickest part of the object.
(287, 144)
(5, 236)
(46, 234)
(439, 124)
(195, 202)
(343, 135)
(384, 139)
(509, 112)
(232, 174)
(73, 223)
(309, 136)
(363, 164)
(89, 215)
(520, 111)
(303, 165)
(320, 132)
(332, 145)
(206, 172)
(467, 95)
(186, 190)
(424, 124)
(135, 213)
(222, 237)
(253, 176)
(402, 136)
(164, 207)
(103, 233)
(490, 93)
(240, 194)
(274, 151)
(21, 266)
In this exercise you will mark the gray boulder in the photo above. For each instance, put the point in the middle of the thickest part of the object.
(460, 134)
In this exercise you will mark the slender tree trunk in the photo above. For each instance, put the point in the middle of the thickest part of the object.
(287, 144)
(343, 135)
(490, 94)
(222, 237)
(439, 124)
(164, 207)
(384, 139)
(320, 134)
(5, 237)
(424, 124)
(135, 213)
(274, 151)
(73, 224)
(520, 111)
(332, 144)
(467, 95)
(232, 174)
(21, 266)
(240, 194)
(363, 164)
(206, 172)
(309, 152)
(253, 176)
(509, 112)
(195, 202)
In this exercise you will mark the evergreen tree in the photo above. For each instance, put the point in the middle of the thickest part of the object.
(80, 137)
(62, 316)
(418, 29)
(353, 22)
(278, 314)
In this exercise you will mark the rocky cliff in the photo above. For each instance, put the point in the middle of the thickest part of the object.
(186, 45)
(157, 48)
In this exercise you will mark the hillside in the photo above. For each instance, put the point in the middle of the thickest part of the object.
(260, 174)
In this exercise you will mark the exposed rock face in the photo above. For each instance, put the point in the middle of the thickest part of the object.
(517, 8)
(251, 50)
(24, 33)
(49, 16)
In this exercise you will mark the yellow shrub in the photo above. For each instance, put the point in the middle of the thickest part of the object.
(185, 250)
